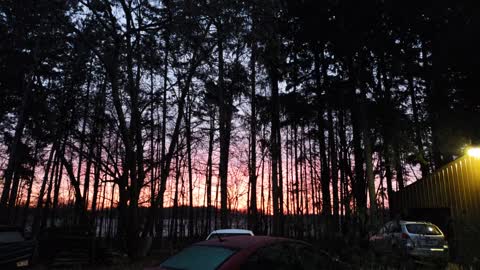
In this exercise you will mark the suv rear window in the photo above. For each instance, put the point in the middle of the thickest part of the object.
(426, 229)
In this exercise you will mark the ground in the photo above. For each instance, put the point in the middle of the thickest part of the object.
(156, 257)
(353, 253)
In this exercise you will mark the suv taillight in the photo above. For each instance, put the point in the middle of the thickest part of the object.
(405, 236)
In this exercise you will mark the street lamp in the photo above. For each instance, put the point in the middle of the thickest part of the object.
(474, 152)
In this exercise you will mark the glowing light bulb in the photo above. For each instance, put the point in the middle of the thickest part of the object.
(474, 152)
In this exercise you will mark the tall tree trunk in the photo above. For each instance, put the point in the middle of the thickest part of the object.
(275, 149)
(418, 130)
(305, 174)
(48, 201)
(95, 145)
(159, 228)
(388, 172)
(13, 158)
(80, 211)
(211, 135)
(174, 218)
(165, 170)
(41, 193)
(262, 193)
(311, 164)
(152, 153)
(333, 163)
(253, 222)
(360, 184)
(388, 121)
(280, 180)
(438, 100)
(369, 166)
(302, 198)
(188, 136)
(88, 168)
(287, 172)
(56, 192)
(225, 118)
(102, 211)
(13, 197)
(30, 187)
(96, 181)
(398, 165)
(297, 177)
(325, 171)
(84, 124)
(343, 160)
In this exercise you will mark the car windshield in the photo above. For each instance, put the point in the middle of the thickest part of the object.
(10, 237)
(198, 257)
(426, 229)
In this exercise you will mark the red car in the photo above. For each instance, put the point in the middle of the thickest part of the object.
(250, 253)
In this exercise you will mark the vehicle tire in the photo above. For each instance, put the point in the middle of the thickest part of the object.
(398, 256)
(407, 264)
(377, 252)
(35, 256)
(442, 265)
(372, 255)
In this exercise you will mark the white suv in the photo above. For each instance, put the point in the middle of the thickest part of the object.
(416, 239)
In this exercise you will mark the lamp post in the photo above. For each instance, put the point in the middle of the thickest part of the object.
(474, 152)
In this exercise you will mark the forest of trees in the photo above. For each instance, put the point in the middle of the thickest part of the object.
(285, 109)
